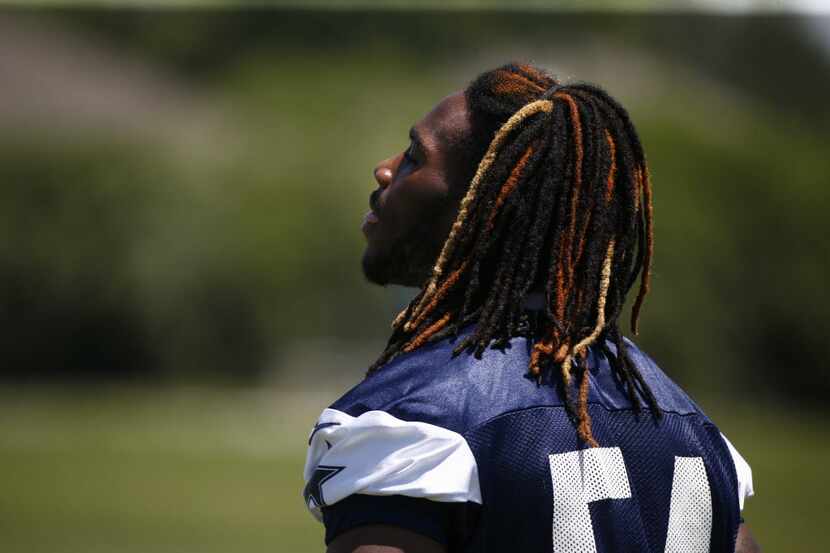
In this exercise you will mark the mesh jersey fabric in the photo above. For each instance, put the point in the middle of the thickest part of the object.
(654, 485)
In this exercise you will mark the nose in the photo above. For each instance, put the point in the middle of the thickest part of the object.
(383, 173)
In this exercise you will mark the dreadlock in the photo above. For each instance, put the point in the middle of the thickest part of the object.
(561, 201)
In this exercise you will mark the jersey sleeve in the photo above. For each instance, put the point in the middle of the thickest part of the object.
(433, 519)
(377, 469)
(744, 473)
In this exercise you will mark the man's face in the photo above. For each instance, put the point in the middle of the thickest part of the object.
(417, 202)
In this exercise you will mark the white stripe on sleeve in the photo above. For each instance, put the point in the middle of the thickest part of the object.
(745, 488)
(378, 454)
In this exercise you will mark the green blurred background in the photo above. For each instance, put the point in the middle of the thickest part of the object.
(180, 292)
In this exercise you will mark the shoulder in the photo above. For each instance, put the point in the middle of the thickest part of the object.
(670, 397)
(456, 392)
(673, 399)
(396, 433)
(461, 392)
(401, 431)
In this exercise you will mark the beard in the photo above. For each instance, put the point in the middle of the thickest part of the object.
(406, 261)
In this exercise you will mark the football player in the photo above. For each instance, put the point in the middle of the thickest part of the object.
(508, 412)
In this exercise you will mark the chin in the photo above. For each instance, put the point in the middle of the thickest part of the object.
(373, 269)
(393, 269)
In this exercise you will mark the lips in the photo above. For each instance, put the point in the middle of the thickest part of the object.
(373, 201)
(369, 221)
(370, 218)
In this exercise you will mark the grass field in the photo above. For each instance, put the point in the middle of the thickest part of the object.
(203, 470)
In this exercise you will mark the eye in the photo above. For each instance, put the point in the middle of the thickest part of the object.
(410, 155)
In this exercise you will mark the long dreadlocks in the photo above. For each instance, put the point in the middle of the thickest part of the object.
(560, 202)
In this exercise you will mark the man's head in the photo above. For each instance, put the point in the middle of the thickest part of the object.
(524, 185)
(417, 196)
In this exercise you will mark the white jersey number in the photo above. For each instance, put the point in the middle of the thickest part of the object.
(580, 477)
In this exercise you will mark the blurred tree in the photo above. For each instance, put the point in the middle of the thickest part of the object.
(179, 259)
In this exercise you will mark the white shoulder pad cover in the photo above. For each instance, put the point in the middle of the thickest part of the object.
(378, 454)
(744, 472)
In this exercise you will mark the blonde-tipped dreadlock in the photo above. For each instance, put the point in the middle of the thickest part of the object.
(463, 210)
(560, 202)
(584, 428)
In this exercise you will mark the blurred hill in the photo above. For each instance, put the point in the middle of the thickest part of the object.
(181, 192)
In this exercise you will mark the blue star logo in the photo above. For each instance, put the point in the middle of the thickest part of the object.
(313, 491)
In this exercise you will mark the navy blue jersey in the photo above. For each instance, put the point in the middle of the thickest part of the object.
(477, 455)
